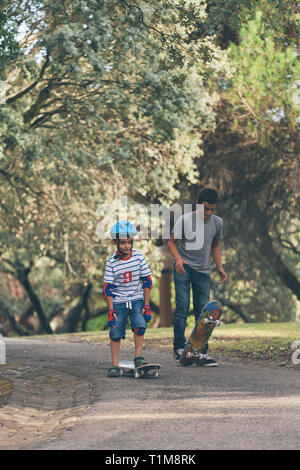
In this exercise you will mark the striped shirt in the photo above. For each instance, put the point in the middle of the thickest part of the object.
(125, 275)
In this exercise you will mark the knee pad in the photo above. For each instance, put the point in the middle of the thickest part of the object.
(139, 331)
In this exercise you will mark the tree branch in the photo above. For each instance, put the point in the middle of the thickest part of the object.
(21, 330)
(141, 18)
(11, 99)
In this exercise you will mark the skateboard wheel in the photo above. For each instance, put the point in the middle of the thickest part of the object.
(218, 323)
(156, 375)
(205, 321)
(189, 354)
(137, 375)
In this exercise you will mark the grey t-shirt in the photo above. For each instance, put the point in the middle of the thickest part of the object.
(198, 259)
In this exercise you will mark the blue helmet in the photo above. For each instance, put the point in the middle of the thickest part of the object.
(123, 229)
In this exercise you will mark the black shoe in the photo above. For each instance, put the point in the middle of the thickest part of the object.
(140, 361)
(177, 354)
(114, 372)
(207, 361)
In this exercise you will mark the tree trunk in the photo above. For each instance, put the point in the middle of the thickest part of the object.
(266, 248)
(22, 276)
(74, 314)
(165, 298)
(17, 327)
(166, 317)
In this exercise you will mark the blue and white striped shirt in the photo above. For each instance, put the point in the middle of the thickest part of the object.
(125, 275)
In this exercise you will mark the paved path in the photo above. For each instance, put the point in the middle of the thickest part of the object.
(61, 398)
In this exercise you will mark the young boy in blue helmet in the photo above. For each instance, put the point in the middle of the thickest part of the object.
(127, 285)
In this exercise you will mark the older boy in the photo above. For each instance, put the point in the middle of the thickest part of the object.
(192, 268)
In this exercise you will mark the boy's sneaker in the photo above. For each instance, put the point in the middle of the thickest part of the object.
(114, 371)
(140, 361)
(177, 354)
(207, 361)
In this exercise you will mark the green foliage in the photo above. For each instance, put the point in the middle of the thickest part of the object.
(97, 324)
(262, 101)
(114, 98)
(253, 285)
(9, 47)
(266, 81)
(252, 158)
(225, 19)
(102, 99)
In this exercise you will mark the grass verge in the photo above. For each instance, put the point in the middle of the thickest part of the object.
(264, 343)
(5, 391)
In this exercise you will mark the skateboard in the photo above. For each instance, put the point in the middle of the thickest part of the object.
(147, 371)
(206, 323)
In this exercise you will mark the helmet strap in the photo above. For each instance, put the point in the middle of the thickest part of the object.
(119, 252)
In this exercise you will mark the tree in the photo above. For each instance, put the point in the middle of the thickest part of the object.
(264, 89)
(225, 19)
(255, 153)
(102, 98)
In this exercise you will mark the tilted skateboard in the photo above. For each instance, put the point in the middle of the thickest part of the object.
(207, 321)
(147, 371)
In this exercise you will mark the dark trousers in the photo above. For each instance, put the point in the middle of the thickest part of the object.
(200, 284)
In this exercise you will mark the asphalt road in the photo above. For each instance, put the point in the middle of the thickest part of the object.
(76, 406)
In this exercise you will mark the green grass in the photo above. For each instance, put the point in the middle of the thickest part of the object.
(263, 342)
(258, 341)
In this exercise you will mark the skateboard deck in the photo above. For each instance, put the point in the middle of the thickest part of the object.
(207, 321)
(147, 371)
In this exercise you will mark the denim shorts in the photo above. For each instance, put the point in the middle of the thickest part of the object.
(123, 310)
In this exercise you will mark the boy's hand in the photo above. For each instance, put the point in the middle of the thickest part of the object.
(179, 265)
(112, 318)
(147, 313)
(223, 275)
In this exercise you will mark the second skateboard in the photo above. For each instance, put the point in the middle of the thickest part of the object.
(207, 321)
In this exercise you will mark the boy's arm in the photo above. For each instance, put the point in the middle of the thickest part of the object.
(179, 261)
(109, 301)
(147, 295)
(112, 316)
(217, 256)
(145, 276)
(146, 311)
(108, 295)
